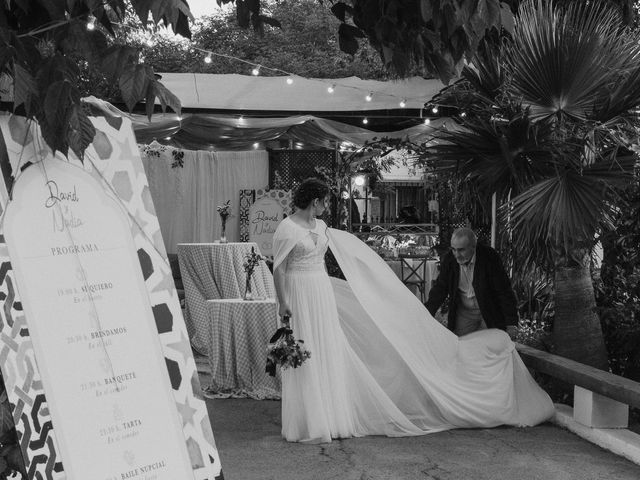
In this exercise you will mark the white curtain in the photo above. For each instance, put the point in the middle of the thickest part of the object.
(186, 197)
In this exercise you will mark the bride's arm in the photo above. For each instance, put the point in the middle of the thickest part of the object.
(280, 284)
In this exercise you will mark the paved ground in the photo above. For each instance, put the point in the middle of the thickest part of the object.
(247, 433)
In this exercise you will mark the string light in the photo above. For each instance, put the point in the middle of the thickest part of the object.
(331, 88)
(463, 114)
(427, 121)
(91, 22)
(365, 121)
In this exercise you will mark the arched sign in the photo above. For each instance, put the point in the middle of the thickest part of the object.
(264, 217)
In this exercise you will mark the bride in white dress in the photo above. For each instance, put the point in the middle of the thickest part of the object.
(380, 363)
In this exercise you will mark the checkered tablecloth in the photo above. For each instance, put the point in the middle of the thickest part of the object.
(239, 332)
(215, 271)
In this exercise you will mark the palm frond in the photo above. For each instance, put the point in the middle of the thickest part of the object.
(499, 157)
(562, 59)
(563, 212)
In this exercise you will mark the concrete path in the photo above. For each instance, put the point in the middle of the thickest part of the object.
(247, 434)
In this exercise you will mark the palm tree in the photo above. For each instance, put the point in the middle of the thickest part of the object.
(545, 122)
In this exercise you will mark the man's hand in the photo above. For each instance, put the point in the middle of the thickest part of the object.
(512, 331)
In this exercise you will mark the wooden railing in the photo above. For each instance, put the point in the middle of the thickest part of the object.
(601, 400)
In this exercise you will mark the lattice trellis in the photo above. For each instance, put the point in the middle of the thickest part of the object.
(287, 168)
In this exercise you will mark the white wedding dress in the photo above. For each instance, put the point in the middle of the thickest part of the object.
(380, 363)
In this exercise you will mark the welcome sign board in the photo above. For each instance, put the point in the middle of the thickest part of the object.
(265, 214)
(96, 359)
(92, 328)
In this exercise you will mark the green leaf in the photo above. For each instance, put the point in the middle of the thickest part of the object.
(167, 98)
(24, 88)
(346, 40)
(116, 59)
(133, 84)
(81, 131)
(57, 103)
(340, 10)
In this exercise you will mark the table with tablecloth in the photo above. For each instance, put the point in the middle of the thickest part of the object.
(430, 275)
(213, 271)
(238, 334)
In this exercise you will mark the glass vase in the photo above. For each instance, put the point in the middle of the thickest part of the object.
(248, 294)
(223, 236)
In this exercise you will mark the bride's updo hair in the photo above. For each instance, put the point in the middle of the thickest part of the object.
(308, 190)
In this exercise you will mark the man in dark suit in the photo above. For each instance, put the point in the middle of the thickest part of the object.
(477, 286)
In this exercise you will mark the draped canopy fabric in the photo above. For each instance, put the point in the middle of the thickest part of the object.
(227, 132)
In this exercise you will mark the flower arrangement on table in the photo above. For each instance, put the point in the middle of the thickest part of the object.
(224, 211)
(251, 261)
(284, 350)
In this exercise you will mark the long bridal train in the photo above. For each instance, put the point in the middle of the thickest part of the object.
(413, 374)
(380, 363)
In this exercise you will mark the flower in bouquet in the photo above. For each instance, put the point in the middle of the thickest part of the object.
(285, 351)
(251, 261)
(225, 210)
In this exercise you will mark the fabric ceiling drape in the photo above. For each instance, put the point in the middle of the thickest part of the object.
(186, 198)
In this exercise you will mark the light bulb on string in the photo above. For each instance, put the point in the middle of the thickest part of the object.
(289, 81)
(208, 58)
(463, 114)
(365, 120)
(331, 88)
(403, 103)
(91, 22)
(427, 121)
(256, 71)
(435, 109)
(369, 96)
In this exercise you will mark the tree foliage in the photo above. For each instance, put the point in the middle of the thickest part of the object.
(435, 36)
(305, 44)
(48, 48)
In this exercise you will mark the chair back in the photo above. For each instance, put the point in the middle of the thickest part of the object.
(413, 273)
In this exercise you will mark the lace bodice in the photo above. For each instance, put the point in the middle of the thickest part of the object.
(308, 253)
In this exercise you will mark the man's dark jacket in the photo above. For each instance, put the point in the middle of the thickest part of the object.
(491, 284)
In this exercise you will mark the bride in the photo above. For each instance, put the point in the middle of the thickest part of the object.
(380, 363)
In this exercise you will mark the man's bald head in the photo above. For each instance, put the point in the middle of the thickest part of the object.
(463, 244)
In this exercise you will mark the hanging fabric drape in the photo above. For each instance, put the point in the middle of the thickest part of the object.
(186, 198)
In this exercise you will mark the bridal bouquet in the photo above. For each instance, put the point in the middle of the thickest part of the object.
(284, 350)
